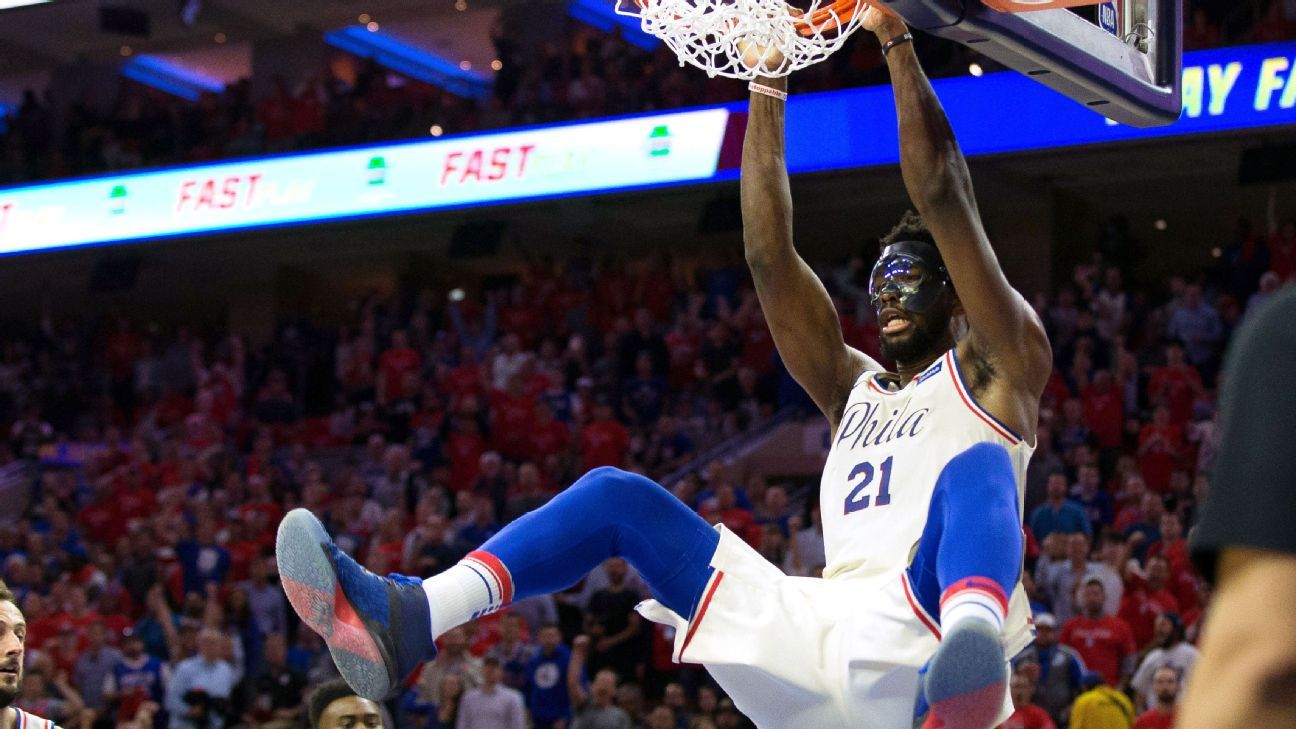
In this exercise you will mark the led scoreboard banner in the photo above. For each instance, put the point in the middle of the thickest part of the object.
(468, 170)
(1225, 89)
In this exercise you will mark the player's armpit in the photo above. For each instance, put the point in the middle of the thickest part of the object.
(807, 332)
(1247, 673)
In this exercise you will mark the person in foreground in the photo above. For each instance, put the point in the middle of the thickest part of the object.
(333, 705)
(921, 495)
(13, 642)
(1246, 676)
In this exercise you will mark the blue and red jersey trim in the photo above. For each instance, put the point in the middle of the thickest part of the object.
(960, 386)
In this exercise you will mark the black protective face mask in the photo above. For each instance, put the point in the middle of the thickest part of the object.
(911, 271)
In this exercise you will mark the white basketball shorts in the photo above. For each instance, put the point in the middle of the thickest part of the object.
(807, 653)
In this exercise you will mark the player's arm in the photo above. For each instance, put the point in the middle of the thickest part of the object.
(801, 316)
(1003, 325)
(1247, 673)
(1246, 676)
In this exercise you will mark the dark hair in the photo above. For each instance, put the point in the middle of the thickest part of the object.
(1176, 630)
(910, 227)
(326, 694)
(6, 595)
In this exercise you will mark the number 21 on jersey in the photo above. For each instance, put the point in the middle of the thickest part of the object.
(857, 500)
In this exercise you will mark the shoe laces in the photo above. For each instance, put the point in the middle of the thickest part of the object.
(399, 579)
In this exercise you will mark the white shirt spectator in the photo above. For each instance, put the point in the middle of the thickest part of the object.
(497, 707)
(215, 678)
(1182, 657)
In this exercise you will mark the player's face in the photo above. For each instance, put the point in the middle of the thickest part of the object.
(350, 712)
(13, 638)
(913, 307)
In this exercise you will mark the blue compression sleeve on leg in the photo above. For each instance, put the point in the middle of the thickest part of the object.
(973, 527)
(610, 513)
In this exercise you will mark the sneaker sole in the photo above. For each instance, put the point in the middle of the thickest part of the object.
(967, 679)
(309, 579)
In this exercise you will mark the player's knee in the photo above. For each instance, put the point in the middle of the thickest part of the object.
(985, 469)
(606, 477)
(617, 486)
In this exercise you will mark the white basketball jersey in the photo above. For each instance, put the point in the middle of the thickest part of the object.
(886, 456)
(889, 449)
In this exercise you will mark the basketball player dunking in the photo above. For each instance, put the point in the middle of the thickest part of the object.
(920, 603)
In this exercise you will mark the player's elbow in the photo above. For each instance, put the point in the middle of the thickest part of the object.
(946, 183)
(764, 254)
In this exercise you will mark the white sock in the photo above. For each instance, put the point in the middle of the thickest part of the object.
(971, 604)
(476, 586)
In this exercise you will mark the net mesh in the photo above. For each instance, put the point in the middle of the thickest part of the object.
(775, 38)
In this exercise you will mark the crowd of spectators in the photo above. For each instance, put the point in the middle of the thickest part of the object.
(1128, 430)
(583, 74)
(149, 470)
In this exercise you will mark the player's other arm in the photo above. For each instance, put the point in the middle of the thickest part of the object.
(801, 316)
(936, 176)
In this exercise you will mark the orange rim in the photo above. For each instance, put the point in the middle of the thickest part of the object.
(829, 17)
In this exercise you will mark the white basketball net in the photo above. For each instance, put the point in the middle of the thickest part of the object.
(714, 34)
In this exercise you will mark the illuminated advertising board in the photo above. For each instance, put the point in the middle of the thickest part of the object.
(1224, 90)
(466, 170)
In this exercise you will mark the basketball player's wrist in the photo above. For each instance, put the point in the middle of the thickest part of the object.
(778, 83)
(892, 28)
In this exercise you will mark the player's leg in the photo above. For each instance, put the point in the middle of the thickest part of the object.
(967, 564)
(379, 628)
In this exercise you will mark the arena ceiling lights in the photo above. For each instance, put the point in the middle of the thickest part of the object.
(412, 61)
(171, 77)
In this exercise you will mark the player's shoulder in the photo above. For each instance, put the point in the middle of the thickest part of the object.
(28, 720)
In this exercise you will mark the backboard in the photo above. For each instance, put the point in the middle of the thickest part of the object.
(1125, 63)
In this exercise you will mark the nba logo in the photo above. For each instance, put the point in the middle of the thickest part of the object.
(1107, 17)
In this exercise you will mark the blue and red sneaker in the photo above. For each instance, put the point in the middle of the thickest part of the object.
(966, 681)
(378, 629)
